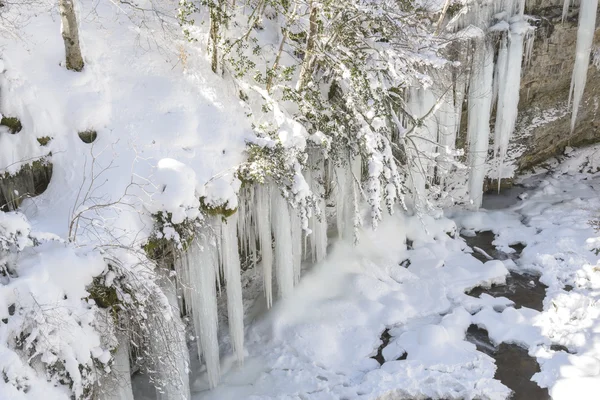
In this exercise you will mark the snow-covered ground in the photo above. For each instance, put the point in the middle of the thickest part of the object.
(318, 343)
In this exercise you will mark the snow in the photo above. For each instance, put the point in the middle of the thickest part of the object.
(170, 137)
(165, 137)
(155, 119)
(46, 291)
(319, 339)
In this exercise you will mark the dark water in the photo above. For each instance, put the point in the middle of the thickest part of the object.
(525, 290)
(504, 199)
(514, 366)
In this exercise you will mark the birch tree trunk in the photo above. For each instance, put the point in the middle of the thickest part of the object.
(307, 63)
(70, 34)
(214, 39)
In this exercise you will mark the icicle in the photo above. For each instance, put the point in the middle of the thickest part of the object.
(168, 347)
(478, 130)
(521, 7)
(346, 188)
(231, 269)
(201, 298)
(529, 42)
(342, 203)
(565, 10)
(122, 370)
(422, 105)
(282, 231)
(318, 221)
(585, 39)
(508, 103)
(500, 79)
(296, 245)
(117, 384)
(265, 240)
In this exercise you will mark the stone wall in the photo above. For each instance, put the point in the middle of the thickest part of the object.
(543, 128)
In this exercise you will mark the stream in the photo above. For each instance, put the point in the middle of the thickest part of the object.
(514, 365)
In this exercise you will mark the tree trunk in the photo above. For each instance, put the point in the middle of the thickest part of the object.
(273, 71)
(70, 34)
(307, 64)
(214, 38)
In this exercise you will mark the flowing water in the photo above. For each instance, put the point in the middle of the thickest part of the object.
(514, 365)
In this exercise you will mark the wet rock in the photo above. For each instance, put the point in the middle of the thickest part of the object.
(385, 340)
(31, 180)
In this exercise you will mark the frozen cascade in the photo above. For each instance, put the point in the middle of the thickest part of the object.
(199, 263)
(230, 260)
(565, 10)
(117, 385)
(122, 369)
(284, 248)
(585, 39)
(500, 81)
(478, 127)
(296, 245)
(482, 12)
(262, 208)
(246, 221)
(318, 221)
(449, 115)
(343, 201)
(169, 349)
(346, 197)
(509, 83)
(422, 104)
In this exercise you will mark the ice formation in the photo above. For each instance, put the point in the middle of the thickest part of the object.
(169, 349)
(478, 129)
(344, 178)
(318, 221)
(422, 105)
(199, 267)
(509, 65)
(230, 260)
(265, 240)
(585, 39)
(284, 246)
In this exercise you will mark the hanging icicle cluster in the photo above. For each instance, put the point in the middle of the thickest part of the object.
(493, 78)
(265, 231)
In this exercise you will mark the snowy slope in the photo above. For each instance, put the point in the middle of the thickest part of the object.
(144, 103)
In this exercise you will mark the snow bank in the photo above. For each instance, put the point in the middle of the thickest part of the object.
(47, 319)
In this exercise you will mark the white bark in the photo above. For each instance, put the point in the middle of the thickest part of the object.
(70, 34)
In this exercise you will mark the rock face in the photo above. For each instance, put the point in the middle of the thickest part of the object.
(543, 127)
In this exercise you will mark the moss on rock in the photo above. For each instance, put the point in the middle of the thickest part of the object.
(12, 123)
(88, 136)
(221, 210)
(44, 140)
